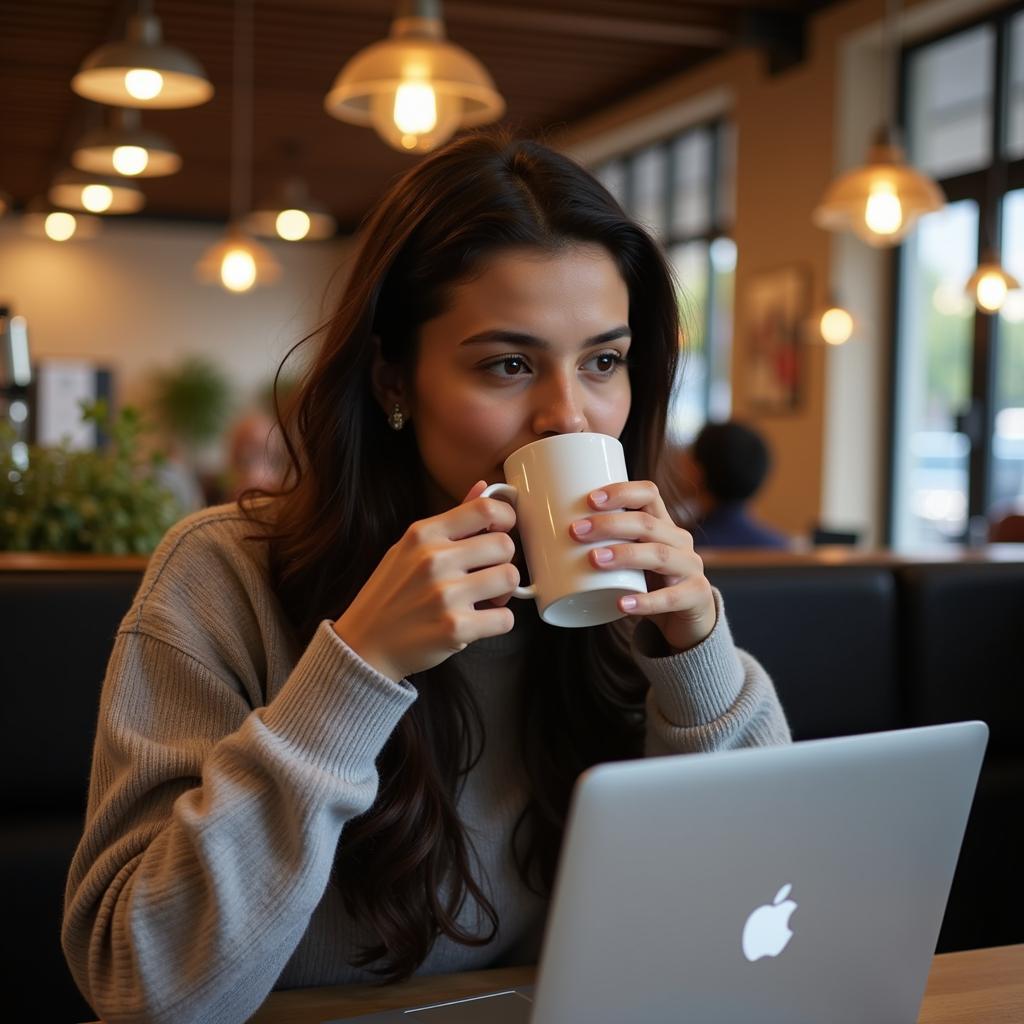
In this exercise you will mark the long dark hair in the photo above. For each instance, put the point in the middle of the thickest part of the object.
(355, 486)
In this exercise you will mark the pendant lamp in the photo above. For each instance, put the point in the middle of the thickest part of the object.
(45, 220)
(415, 88)
(990, 284)
(141, 70)
(238, 263)
(124, 147)
(881, 200)
(96, 193)
(292, 214)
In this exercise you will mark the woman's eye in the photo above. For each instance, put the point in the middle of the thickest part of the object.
(509, 366)
(607, 362)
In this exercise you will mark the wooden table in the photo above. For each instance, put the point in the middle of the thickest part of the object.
(982, 986)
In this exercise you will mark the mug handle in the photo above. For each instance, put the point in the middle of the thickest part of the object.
(511, 495)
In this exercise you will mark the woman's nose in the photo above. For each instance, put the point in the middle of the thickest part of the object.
(559, 410)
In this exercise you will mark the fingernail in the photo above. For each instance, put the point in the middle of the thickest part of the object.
(582, 527)
(603, 555)
(627, 604)
(598, 497)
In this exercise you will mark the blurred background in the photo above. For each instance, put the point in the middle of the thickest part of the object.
(164, 244)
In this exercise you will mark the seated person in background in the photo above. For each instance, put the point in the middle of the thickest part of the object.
(256, 455)
(719, 473)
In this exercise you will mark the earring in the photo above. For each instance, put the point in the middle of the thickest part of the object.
(397, 418)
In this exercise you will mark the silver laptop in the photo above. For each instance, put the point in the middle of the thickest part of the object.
(787, 884)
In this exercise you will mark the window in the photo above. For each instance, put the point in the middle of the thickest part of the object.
(681, 190)
(958, 416)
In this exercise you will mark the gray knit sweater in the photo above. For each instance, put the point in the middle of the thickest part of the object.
(227, 762)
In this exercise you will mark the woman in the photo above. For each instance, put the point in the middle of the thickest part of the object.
(328, 749)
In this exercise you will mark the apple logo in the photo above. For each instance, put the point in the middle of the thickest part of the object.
(767, 931)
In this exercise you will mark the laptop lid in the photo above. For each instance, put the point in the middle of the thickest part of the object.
(784, 884)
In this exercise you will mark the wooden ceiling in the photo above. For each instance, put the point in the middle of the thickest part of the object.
(554, 61)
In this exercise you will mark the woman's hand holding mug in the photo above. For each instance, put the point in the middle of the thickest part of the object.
(643, 536)
(418, 606)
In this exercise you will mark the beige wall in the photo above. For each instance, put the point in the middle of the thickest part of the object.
(128, 299)
(790, 143)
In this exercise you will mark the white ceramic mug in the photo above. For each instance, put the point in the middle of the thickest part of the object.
(548, 484)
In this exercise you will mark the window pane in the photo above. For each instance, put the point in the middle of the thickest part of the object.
(950, 103)
(1008, 436)
(649, 188)
(934, 374)
(613, 176)
(689, 407)
(723, 282)
(1015, 96)
(691, 182)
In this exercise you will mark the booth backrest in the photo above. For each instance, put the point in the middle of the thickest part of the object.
(852, 648)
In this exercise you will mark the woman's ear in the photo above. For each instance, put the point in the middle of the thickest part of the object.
(388, 381)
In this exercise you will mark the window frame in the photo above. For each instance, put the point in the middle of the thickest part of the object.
(987, 186)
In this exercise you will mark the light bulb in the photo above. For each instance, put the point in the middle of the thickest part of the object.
(129, 160)
(883, 212)
(143, 83)
(97, 198)
(292, 225)
(836, 326)
(990, 291)
(415, 108)
(238, 270)
(59, 226)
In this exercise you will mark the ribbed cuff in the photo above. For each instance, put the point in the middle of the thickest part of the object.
(693, 687)
(335, 709)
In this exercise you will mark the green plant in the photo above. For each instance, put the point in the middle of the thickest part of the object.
(192, 401)
(105, 502)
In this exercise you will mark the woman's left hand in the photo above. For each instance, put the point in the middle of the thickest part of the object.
(643, 536)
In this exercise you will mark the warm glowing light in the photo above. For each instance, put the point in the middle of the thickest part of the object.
(129, 160)
(836, 326)
(59, 226)
(96, 198)
(883, 212)
(238, 270)
(292, 225)
(415, 108)
(143, 83)
(990, 291)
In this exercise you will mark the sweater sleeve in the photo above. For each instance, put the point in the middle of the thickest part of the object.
(211, 828)
(711, 697)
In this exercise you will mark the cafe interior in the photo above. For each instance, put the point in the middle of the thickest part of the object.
(838, 188)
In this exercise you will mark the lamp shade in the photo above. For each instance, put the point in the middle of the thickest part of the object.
(124, 147)
(43, 220)
(141, 71)
(237, 263)
(95, 193)
(292, 214)
(989, 286)
(415, 88)
(881, 200)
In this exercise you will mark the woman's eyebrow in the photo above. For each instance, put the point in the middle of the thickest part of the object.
(524, 340)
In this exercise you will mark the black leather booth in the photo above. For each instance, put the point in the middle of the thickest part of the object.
(852, 648)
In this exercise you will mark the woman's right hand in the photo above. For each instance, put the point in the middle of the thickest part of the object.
(419, 606)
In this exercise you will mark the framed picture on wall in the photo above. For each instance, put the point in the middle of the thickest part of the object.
(776, 307)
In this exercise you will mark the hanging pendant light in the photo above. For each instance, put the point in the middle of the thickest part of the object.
(881, 200)
(124, 147)
(95, 193)
(415, 88)
(44, 220)
(291, 214)
(141, 70)
(238, 262)
(990, 285)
